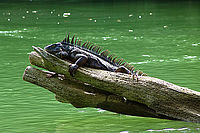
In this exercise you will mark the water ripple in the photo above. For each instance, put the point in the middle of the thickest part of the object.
(6, 32)
(184, 58)
(168, 129)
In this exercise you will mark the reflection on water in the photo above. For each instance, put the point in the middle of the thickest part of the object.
(159, 38)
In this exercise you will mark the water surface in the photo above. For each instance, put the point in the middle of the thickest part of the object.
(160, 38)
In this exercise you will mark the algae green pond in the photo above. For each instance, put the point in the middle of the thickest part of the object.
(161, 38)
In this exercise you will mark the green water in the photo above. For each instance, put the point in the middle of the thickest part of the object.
(160, 38)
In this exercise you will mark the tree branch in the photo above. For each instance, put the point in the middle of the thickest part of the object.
(154, 97)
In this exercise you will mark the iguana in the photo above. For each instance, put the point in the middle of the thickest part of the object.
(89, 55)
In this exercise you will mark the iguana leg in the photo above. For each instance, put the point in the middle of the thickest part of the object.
(123, 69)
(136, 73)
(81, 60)
(62, 55)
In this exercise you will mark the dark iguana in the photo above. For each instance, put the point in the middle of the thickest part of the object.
(89, 55)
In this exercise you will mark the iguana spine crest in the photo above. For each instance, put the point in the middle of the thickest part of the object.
(97, 50)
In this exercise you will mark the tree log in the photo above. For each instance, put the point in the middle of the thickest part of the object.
(82, 95)
(112, 91)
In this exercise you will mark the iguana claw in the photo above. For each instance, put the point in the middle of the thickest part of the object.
(72, 69)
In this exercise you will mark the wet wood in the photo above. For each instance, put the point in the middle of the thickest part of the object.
(153, 97)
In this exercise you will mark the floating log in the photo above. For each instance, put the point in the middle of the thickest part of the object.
(112, 91)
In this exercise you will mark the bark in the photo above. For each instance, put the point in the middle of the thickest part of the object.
(112, 91)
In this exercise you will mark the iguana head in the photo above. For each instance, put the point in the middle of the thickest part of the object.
(54, 48)
(58, 49)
